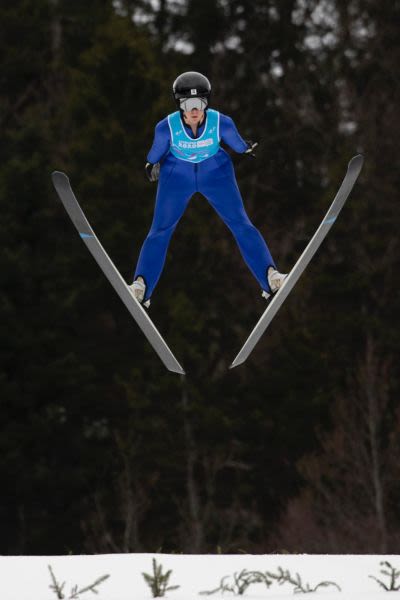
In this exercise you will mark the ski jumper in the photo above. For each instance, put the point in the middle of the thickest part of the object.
(198, 164)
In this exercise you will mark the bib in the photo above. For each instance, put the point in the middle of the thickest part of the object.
(194, 150)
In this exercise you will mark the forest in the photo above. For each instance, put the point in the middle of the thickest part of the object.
(101, 449)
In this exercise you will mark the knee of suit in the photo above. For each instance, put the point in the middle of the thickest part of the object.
(241, 227)
(160, 232)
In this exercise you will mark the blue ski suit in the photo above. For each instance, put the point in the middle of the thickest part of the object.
(214, 178)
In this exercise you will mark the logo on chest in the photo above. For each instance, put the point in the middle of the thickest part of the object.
(195, 143)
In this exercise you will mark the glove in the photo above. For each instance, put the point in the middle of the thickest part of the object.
(152, 171)
(251, 148)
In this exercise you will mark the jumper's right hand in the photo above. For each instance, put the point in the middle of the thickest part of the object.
(152, 171)
(251, 147)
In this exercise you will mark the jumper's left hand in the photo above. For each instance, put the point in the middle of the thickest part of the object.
(152, 171)
(251, 148)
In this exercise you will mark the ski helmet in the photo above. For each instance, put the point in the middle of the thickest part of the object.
(191, 85)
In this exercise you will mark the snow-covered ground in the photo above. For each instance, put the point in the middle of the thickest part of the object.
(28, 577)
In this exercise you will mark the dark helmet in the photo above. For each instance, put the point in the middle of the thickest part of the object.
(191, 85)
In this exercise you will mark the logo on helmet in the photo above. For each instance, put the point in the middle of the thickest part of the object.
(193, 92)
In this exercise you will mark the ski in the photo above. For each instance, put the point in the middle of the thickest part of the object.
(71, 205)
(353, 171)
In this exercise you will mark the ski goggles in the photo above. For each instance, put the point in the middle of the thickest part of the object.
(188, 104)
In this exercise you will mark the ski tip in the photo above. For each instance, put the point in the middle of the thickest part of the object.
(59, 177)
(356, 162)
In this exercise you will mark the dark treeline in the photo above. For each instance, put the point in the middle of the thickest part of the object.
(101, 449)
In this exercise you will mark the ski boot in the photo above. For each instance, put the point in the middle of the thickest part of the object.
(138, 289)
(275, 281)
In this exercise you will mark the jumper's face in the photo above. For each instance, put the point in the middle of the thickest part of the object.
(194, 116)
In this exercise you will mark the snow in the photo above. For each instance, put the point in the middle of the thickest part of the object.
(28, 577)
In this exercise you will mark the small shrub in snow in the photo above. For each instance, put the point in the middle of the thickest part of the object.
(392, 573)
(245, 578)
(76, 592)
(241, 581)
(284, 576)
(158, 582)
